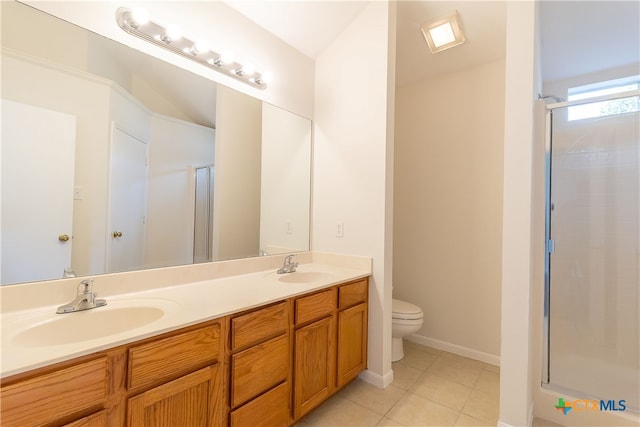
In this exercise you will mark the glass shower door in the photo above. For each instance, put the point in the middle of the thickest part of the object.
(594, 253)
(203, 210)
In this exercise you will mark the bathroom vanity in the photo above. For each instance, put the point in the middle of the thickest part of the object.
(264, 365)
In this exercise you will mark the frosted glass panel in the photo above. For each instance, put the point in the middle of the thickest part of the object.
(202, 214)
(594, 326)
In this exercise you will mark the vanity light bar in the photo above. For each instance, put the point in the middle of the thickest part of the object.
(137, 23)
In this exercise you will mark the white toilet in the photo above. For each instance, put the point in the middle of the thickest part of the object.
(406, 319)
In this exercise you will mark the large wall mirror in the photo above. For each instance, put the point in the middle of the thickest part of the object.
(114, 161)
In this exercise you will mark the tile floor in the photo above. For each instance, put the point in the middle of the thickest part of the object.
(430, 388)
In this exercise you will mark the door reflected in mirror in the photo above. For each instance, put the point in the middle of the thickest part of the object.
(154, 166)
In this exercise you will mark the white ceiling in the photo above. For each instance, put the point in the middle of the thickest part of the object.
(581, 37)
(308, 26)
(578, 36)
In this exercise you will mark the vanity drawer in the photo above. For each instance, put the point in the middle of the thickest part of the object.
(269, 410)
(164, 358)
(259, 368)
(352, 294)
(45, 398)
(315, 306)
(256, 326)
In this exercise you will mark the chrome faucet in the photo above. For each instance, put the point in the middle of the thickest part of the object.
(85, 299)
(288, 266)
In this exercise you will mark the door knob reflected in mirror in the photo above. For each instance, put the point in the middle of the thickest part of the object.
(117, 234)
(63, 237)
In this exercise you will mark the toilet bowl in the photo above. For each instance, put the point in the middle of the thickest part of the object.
(406, 320)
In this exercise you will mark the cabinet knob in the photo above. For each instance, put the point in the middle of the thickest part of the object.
(117, 234)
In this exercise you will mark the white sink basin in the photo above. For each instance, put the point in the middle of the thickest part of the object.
(304, 277)
(114, 318)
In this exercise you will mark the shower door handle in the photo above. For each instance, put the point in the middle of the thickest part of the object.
(551, 246)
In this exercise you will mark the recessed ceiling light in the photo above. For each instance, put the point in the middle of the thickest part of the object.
(443, 33)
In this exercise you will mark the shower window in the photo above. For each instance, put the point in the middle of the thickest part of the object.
(606, 107)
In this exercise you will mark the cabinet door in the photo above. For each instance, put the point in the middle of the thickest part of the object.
(352, 343)
(314, 371)
(192, 400)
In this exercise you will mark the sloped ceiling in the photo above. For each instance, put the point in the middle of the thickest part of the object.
(309, 26)
(578, 37)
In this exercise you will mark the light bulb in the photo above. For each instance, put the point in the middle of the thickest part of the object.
(172, 33)
(200, 46)
(226, 57)
(266, 77)
(248, 68)
(139, 17)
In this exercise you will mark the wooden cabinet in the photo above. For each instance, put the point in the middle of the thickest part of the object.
(352, 343)
(260, 367)
(330, 343)
(258, 325)
(186, 401)
(352, 331)
(265, 411)
(98, 419)
(314, 350)
(166, 358)
(265, 367)
(154, 382)
(55, 395)
(179, 396)
(314, 365)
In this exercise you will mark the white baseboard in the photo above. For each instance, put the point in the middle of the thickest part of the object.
(380, 381)
(491, 359)
(529, 419)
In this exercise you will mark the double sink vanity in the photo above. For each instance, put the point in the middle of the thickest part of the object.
(245, 346)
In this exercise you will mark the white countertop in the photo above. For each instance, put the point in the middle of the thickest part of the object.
(183, 305)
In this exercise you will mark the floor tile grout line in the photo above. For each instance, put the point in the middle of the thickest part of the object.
(420, 371)
(482, 368)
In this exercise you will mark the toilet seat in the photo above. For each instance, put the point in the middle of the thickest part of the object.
(404, 310)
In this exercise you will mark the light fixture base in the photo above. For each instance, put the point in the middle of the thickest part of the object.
(444, 33)
(157, 35)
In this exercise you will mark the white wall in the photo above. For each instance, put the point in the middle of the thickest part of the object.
(521, 88)
(236, 214)
(225, 28)
(176, 148)
(448, 207)
(285, 182)
(353, 161)
(71, 44)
